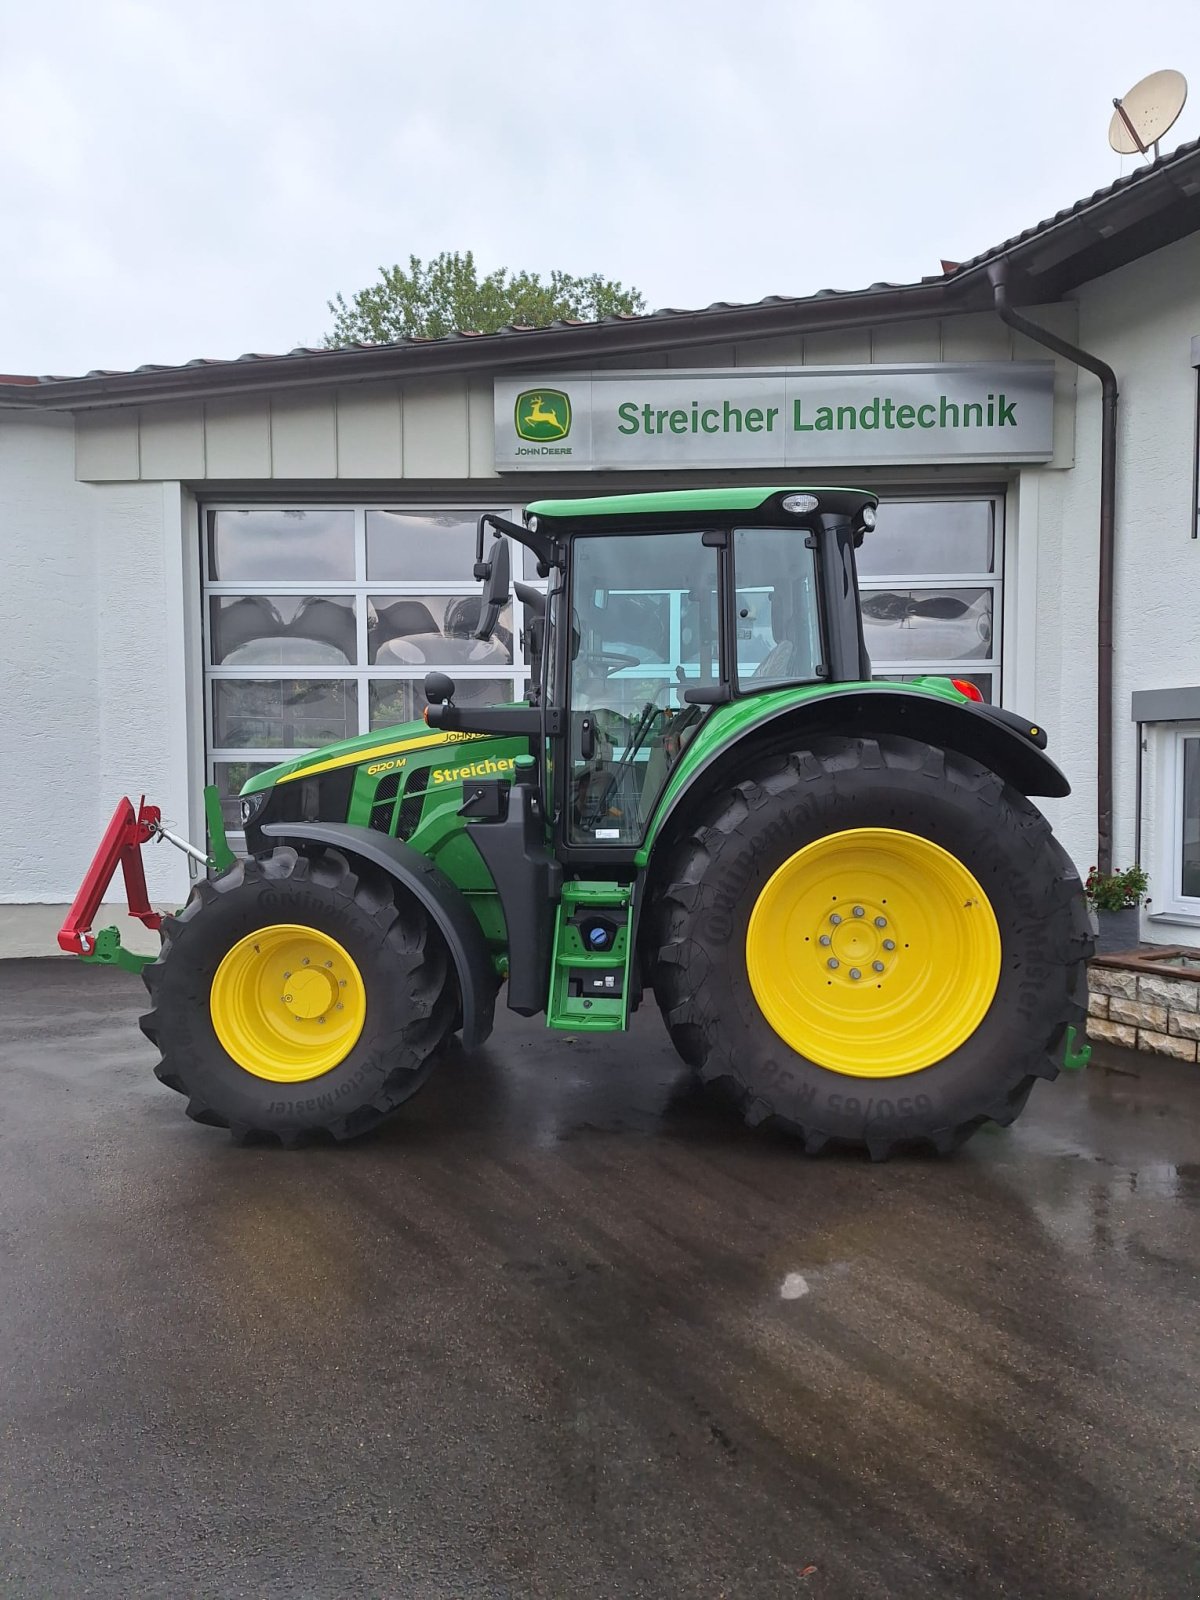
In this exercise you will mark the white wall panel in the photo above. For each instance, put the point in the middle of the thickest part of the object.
(370, 431)
(849, 347)
(907, 341)
(435, 429)
(238, 438)
(304, 436)
(173, 441)
(785, 352)
(480, 415)
(49, 620)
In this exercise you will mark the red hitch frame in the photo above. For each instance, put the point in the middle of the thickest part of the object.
(121, 847)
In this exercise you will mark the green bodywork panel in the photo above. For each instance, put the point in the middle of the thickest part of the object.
(673, 500)
(408, 784)
(727, 723)
(592, 1013)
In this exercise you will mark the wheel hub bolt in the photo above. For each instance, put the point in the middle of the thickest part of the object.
(855, 973)
(877, 966)
(834, 918)
(833, 963)
(881, 922)
(305, 961)
(889, 944)
(859, 912)
(825, 939)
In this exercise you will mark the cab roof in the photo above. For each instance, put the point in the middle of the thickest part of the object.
(675, 506)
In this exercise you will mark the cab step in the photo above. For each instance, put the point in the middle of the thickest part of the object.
(589, 975)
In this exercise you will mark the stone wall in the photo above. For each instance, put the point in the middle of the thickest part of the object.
(1144, 1011)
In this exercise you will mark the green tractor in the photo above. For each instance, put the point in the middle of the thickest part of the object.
(850, 913)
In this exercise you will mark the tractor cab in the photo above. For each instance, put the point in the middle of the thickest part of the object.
(658, 611)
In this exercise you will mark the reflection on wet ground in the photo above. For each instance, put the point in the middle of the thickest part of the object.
(566, 1329)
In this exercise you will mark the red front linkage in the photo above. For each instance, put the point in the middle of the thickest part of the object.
(121, 846)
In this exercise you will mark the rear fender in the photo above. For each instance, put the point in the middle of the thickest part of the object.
(446, 904)
(993, 738)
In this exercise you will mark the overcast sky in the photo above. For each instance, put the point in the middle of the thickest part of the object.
(199, 179)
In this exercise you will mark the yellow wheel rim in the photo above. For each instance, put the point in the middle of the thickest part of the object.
(873, 952)
(288, 1003)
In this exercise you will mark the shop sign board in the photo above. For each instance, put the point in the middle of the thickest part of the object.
(798, 417)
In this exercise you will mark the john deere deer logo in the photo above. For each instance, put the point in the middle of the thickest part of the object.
(543, 414)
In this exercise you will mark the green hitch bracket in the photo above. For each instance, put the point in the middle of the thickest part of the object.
(108, 951)
(1074, 1060)
(220, 856)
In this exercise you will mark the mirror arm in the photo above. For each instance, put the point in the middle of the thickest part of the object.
(544, 548)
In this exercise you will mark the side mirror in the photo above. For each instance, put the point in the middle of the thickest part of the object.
(495, 575)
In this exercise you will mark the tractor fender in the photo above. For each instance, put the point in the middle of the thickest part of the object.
(996, 739)
(428, 884)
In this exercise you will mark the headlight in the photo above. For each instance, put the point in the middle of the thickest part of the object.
(799, 504)
(868, 517)
(252, 804)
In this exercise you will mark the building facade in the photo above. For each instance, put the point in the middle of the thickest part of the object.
(210, 568)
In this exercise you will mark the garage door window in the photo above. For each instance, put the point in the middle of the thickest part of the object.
(930, 574)
(321, 623)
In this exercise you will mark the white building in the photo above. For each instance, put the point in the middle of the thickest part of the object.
(162, 529)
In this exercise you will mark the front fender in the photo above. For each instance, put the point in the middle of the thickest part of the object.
(734, 734)
(445, 903)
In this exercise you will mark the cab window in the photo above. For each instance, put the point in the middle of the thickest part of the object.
(776, 614)
(644, 627)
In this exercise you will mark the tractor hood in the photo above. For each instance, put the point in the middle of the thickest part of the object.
(382, 751)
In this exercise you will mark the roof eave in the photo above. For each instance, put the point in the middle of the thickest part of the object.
(510, 349)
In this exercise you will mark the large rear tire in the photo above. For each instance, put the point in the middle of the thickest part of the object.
(874, 943)
(295, 996)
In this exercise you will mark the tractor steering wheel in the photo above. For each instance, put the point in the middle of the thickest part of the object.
(614, 660)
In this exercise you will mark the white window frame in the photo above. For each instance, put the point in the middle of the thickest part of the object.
(992, 664)
(359, 586)
(1167, 897)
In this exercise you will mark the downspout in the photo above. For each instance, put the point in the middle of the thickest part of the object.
(998, 274)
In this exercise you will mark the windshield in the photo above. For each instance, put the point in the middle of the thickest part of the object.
(645, 627)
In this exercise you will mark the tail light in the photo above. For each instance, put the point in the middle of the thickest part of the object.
(965, 686)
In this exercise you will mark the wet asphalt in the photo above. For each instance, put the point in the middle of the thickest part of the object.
(566, 1329)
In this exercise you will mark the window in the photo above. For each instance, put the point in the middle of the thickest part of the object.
(1177, 891)
(930, 576)
(644, 625)
(776, 617)
(321, 622)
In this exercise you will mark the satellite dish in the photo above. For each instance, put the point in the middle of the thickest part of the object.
(1146, 113)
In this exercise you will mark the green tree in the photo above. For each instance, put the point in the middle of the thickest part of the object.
(437, 297)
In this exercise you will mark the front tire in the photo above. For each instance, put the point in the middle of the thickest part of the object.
(875, 943)
(295, 996)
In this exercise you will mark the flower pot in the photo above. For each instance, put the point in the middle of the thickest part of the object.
(1118, 931)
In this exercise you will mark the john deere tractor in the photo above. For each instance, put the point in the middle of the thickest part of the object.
(838, 891)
